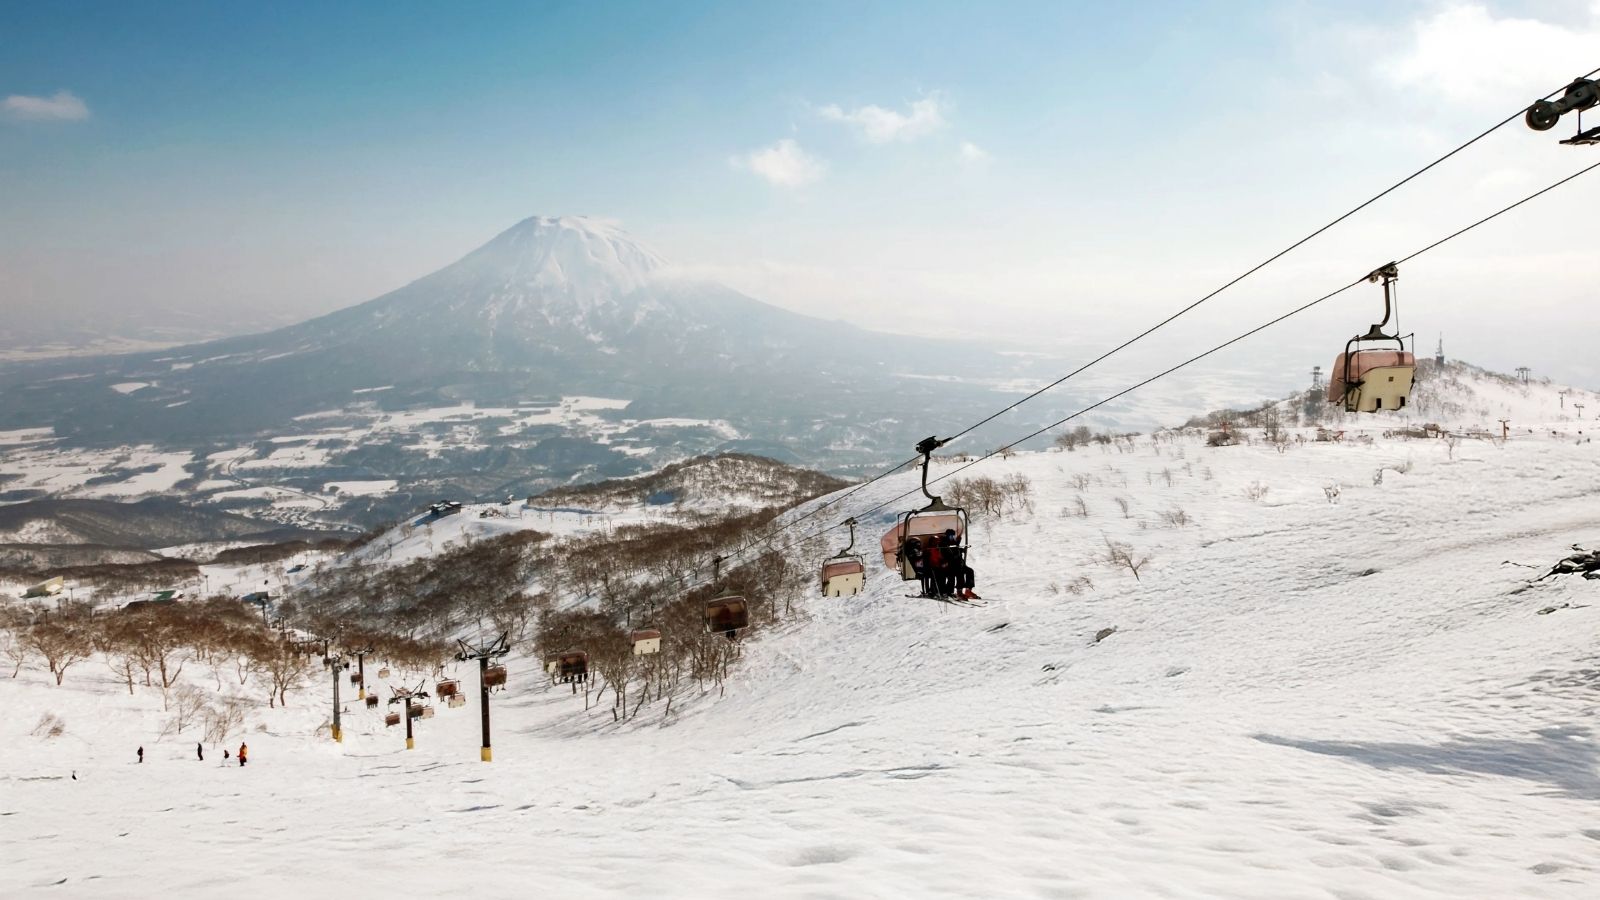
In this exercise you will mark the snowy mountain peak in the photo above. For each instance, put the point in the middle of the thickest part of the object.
(575, 257)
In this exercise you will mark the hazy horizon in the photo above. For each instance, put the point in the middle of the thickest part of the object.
(1035, 175)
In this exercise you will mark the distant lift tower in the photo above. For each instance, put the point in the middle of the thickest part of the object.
(1438, 355)
(1316, 378)
(1523, 372)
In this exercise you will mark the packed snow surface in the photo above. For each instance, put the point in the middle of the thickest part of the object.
(1302, 698)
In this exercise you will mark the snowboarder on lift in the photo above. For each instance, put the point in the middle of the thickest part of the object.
(959, 578)
(919, 565)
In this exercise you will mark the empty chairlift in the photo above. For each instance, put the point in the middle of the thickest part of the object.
(646, 642)
(494, 676)
(844, 574)
(905, 544)
(449, 687)
(1370, 379)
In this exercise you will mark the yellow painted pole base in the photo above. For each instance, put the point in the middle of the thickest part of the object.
(362, 693)
(411, 743)
(486, 754)
(338, 735)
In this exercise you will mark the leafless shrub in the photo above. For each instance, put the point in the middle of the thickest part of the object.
(1256, 491)
(1175, 518)
(1166, 475)
(985, 496)
(1080, 584)
(1123, 556)
(1079, 507)
(14, 649)
(49, 725)
(188, 705)
(1331, 491)
(226, 719)
(1080, 480)
(1122, 504)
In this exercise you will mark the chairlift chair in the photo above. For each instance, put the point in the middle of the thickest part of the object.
(570, 667)
(646, 641)
(383, 672)
(427, 712)
(727, 615)
(391, 720)
(449, 687)
(929, 522)
(355, 678)
(455, 701)
(1375, 378)
(372, 701)
(844, 574)
(494, 676)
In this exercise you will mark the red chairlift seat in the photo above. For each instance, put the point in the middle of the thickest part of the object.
(1372, 379)
(416, 710)
(427, 712)
(447, 688)
(646, 641)
(843, 577)
(455, 701)
(727, 616)
(383, 672)
(844, 574)
(372, 700)
(355, 678)
(494, 676)
(391, 720)
(570, 667)
(929, 522)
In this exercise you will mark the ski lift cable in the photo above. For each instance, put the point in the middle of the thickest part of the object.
(1257, 267)
(820, 508)
(1194, 359)
(1159, 325)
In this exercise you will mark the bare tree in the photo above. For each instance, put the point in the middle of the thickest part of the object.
(189, 704)
(282, 666)
(226, 718)
(1123, 556)
(13, 648)
(63, 644)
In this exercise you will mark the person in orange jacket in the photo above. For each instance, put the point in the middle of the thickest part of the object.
(244, 753)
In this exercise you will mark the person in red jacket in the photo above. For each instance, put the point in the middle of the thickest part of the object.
(244, 753)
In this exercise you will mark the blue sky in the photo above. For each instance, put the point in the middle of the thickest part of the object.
(1064, 167)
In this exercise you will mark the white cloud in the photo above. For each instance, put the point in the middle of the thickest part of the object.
(1467, 55)
(881, 126)
(973, 155)
(62, 106)
(784, 164)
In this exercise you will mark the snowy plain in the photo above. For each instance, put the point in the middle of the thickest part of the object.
(1302, 698)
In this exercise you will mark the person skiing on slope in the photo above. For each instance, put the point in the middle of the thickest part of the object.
(141, 754)
(244, 753)
(200, 751)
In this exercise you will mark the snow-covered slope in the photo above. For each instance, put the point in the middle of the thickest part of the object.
(1302, 698)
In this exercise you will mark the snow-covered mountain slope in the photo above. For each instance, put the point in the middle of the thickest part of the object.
(1302, 698)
